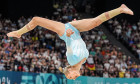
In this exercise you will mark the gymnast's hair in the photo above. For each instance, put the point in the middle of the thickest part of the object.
(64, 70)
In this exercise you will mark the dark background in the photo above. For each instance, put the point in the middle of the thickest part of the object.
(106, 5)
(16, 8)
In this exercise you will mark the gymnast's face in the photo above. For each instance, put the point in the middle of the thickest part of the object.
(72, 74)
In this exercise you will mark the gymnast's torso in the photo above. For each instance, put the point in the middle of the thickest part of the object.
(76, 47)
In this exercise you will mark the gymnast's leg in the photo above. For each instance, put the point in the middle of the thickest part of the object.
(55, 26)
(88, 24)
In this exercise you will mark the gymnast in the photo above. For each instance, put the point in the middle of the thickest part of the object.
(77, 52)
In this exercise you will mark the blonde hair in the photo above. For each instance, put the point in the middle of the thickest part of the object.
(64, 70)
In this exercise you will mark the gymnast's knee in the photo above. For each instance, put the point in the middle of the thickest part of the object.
(35, 19)
(97, 21)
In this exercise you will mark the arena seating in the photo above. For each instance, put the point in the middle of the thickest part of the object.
(127, 33)
(41, 50)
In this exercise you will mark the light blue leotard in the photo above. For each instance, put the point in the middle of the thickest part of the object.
(76, 47)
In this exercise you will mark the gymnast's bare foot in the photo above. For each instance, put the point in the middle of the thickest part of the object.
(125, 9)
(13, 34)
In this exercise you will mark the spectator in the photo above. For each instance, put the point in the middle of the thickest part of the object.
(1, 66)
(106, 65)
(90, 60)
(127, 74)
(127, 33)
(34, 52)
(92, 52)
(105, 74)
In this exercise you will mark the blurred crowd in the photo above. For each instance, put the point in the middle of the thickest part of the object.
(127, 33)
(41, 50)
(109, 60)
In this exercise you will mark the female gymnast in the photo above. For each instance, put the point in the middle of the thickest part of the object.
(70, 33)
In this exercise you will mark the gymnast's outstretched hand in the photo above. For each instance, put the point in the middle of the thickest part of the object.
(69, 32)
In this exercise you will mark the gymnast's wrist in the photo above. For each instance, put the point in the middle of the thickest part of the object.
(68, 35)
